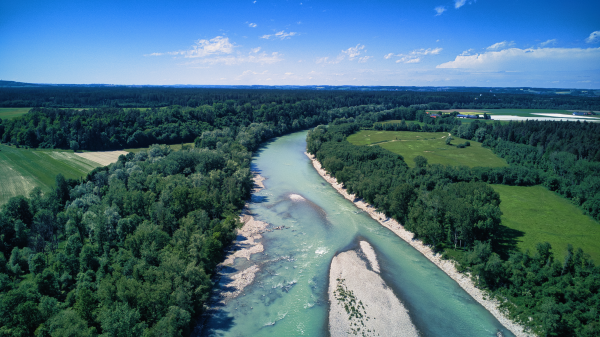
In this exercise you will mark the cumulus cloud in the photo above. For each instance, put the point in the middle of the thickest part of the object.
(351, 53)
(282, 35)
(414, 56)
(545, 43)
(439, 10)
(501, 45)
(262, 58)
(202, 48)
(515, 59)
(594, 37)
(364, 59)
(459, 3)
(253, 25)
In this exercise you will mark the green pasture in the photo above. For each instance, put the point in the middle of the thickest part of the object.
(535, 214)
(431, 145)
(10, 113)
(21, 170)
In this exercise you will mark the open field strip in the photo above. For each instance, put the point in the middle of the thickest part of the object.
(22, 170)
(536, 214)
(10, 113)
(431, 145)
(102, 157)
(525, 114)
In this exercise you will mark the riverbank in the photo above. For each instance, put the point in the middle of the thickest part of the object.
(360, 301)
(246, 243)
(446, 266)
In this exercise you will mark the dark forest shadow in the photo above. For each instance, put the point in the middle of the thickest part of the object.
(507, 240)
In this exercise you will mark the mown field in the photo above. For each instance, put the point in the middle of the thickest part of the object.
(518, 112)
(534, 214)
(431, 145)
(10, 113)
(21, 170)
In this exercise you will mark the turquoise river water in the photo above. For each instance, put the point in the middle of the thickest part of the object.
(289, 294)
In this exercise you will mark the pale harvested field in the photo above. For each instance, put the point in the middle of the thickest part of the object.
(102, 157)
(21, 170)
(14, 183)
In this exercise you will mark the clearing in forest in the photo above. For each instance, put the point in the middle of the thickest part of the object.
(10, 113)
(22, 170)
(431, 145)
(535, 214)
(103, 158)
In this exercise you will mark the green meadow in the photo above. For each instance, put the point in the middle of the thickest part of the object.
(431, 145)
(535, 214)
(10, 113)
(22, 170)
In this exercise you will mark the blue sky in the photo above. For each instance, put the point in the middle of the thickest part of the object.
(423, 43)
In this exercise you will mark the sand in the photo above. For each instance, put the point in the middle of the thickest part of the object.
(447, 266)
(246, 243)
(360, 302)
(102, 157)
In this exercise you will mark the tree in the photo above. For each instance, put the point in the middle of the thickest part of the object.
(449, 140)
(420, 161)
(74, 145)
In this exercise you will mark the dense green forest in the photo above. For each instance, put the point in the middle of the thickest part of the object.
(453, 207)
(130, 249)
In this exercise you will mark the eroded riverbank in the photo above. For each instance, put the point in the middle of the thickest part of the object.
(446, 266)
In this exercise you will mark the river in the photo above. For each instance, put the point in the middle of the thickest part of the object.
(289, 294)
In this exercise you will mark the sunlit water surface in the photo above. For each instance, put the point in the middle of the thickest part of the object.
(289, 294)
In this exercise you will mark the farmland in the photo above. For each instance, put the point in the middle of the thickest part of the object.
(431, 145)
(534, 214)
(10, 113)
(22, 170)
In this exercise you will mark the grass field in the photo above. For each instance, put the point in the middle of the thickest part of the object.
(21, 170)
(10, 113)
(534, 214)
(431, 145)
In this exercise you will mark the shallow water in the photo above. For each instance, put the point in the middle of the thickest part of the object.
(289, 294)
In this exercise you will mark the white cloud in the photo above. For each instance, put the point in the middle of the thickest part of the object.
(501, 45)
(467, 52)
(415, 55)
(288, 74)
(594, 37)
(439, 10)
(282, 35)
(353, 52)
(514, 59)
(253, 25)
(217, 45)
(255, 50)
(545, 43)
(364, 59)
(262, 58)
(459, 3)
(202, 48)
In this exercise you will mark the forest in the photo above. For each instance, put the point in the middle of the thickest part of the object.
(454, 208)
(131, 248)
